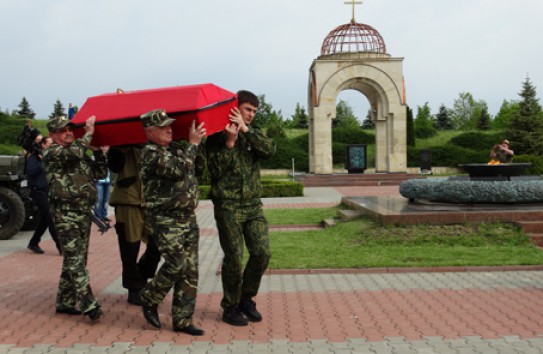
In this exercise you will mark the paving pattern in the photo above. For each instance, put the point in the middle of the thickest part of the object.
(319, 312)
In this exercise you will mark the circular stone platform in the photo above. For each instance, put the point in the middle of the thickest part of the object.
(473, 192)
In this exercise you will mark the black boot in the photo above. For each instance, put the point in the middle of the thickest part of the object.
(151, 314)
(134, 297)
(94, 314)
(35, 248)
(248, 308)
(234, 317)
(190, 329)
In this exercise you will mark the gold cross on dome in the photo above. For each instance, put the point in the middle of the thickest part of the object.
(353, 3)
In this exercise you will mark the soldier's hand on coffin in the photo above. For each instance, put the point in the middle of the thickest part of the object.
(237, 119)
(89, 125)
(231, 135)
(196, 133)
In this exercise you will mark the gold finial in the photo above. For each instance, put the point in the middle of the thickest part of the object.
(353, 3)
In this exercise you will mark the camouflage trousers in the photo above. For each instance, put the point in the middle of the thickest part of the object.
(73, 228)
(238, 225)
(177, 240)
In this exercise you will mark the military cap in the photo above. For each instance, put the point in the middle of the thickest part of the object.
(156, 118)
(57, 123)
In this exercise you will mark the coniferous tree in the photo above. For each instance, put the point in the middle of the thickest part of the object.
(410, 129)
(484, 122)
(58, 110)
(368, 123)
(300, 119)
(526, 129)
(443, 119)
(24, 110)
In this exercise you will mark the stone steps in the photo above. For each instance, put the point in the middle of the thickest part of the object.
(534, 230)
(342, 216)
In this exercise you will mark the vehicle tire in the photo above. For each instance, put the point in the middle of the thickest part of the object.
(12, 213)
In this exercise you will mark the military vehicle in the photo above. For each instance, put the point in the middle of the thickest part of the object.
(17, 210)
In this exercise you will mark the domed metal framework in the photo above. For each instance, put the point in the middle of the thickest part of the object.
(353, 38)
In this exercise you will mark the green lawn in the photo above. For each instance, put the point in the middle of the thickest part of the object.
(299, 216)
(366, 244)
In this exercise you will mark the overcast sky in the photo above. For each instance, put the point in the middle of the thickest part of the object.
(72, 49)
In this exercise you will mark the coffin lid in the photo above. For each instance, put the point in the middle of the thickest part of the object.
(132, 104)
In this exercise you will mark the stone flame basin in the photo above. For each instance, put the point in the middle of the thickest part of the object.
(487, 184)
(502, 170)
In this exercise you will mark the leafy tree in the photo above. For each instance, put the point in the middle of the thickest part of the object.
(345, 116)
(443, 119)
(265, 114)
(410, 127)
(24, 110)
(300, 118)
(505, 116)
(58, 110)
(526, 129)
(424, 122)
(463, 111)
(484, 123)
(368, 123)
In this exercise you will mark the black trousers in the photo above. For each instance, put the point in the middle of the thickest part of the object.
(41, 201)
(136, 272)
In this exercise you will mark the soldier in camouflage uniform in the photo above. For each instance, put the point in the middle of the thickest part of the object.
(70, 173)
(233, 161)
(171, 196)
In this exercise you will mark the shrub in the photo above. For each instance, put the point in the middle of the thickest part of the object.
(275, 131)
(270, 189)
(425, 131)
(478, 140)
(287, 150)
(348, 135)
(536, 161)
(339, 153)
(276, 188)
(447, 155)
(302, 141)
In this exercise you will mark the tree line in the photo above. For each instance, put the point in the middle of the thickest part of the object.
(520, 119)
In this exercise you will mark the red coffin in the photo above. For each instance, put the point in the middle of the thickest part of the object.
(118, 114)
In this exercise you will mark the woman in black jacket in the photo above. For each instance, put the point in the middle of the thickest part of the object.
(39, 195)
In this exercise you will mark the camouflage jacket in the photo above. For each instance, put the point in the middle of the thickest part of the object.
(169, 181)
(235, 173)
(70, 173)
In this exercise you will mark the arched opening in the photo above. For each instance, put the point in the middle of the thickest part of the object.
(355, 103)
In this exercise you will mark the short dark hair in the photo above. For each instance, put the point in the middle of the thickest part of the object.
(247, 97)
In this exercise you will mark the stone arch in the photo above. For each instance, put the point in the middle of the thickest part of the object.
(378, 77)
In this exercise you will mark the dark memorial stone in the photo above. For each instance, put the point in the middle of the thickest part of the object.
(356, 158)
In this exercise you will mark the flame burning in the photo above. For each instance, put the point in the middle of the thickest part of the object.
(494, 162)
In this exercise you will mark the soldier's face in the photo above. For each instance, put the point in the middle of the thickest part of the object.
(64, 137)
(161, 135)
(248, 112)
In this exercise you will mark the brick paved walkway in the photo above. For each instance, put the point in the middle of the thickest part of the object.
(467, 312)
